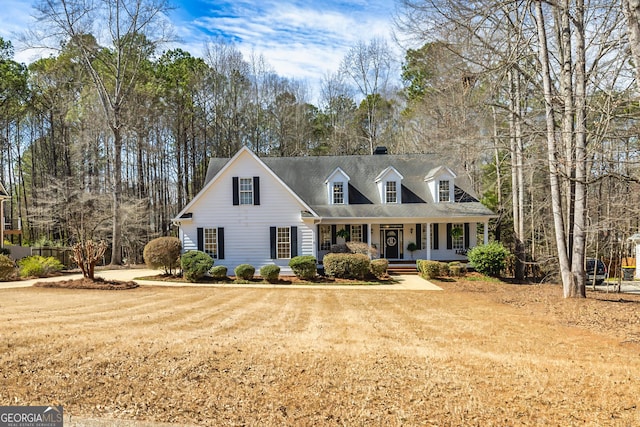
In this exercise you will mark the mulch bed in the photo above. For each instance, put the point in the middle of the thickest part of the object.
(84, 283)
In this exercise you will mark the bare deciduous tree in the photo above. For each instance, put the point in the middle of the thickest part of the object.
(133, 29)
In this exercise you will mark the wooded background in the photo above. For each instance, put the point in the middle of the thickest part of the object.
(535, 103)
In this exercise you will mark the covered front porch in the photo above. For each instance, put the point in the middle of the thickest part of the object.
(402, 242)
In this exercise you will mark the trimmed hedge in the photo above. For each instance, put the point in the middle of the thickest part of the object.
(39, 266)
(270, 273)
(304, 266)
(456, 269)
(347, 266)
(195, 264)
(163, 252)
(7, 268)
(379, 267)
(430, 269)
(245, 271)
(218, 272)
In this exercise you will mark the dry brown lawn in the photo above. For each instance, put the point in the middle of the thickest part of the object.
(482, 354)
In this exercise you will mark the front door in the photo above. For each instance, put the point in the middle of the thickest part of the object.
(391, 244)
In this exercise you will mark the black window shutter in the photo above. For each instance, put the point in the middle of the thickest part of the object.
(365, 233)
(318, 236)
(466, 235)
(449, 241)
(334, 237)
(220, 243)
(436, 237)
(273, 236)
(419, 236)
(256, 190)
(294, 241)
(200, 241)
(348, 228)
(236, 191)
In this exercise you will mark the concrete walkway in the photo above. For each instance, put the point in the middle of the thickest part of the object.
(405, 282)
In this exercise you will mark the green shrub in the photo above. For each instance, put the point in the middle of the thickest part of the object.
(304, 266)
(456, 269)
(218, 272)
(270, 273)
(7, 268)
(430, 269)
(39, 266)
(347, 266)
(444, 269)
(489, 259)
(195, 264)
(379, 267)
(245, 271)
(163, 252)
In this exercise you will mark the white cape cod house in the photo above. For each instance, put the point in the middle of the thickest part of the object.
(267, 210)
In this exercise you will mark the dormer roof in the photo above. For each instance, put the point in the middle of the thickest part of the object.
(338, 171)
(388, 171)
(439, 171)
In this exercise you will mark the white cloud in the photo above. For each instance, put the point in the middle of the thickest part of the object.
(299, 39)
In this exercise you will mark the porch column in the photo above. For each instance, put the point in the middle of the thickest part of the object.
(314, 239)
(428, 243)
(486, 232)
(369, 239)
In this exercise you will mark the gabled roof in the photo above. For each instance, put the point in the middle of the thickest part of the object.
(217, 166)
(306, 177)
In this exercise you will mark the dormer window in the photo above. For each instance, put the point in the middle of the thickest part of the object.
(444, 194)
(338, 187)
(391, 192)
(389, 183)
(440, 181)
(338, 193)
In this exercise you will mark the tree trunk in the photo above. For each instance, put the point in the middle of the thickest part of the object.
(554, 182)
(116, 240)
(631, 9)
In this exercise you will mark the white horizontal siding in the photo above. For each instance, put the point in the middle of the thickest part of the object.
(247, 227)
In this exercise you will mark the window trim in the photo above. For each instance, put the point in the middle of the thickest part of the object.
(243, 193)
(391, 192)
(458, 242)
(210, 237)
(340, 193)
(444, 195)
(324, 237)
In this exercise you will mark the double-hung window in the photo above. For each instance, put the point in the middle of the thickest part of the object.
(338, 193)
(283, 244)
(432, 234)
(210, 244)
(391, 192)
(457, 236)
(356, 233)
(443, 191)
(246, 191)
(325, 237)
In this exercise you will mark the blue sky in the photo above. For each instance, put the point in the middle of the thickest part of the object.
(299, 39)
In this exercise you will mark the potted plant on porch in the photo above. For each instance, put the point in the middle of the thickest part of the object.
(412, 247)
